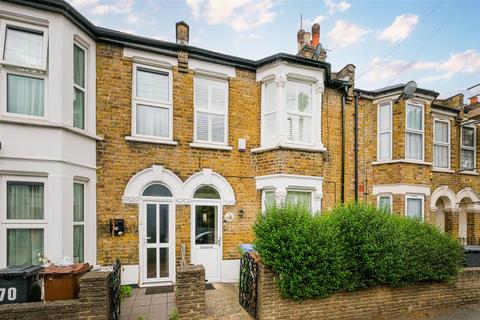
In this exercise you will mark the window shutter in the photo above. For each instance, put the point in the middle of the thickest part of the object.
(202, 126)
(219, 98)
(218, 128)
(201, 94)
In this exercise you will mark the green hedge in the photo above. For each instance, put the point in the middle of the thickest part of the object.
(349, 248)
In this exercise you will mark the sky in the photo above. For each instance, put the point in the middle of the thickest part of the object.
(433, 42)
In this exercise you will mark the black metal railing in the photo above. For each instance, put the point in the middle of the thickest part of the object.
(115, 284)
(248, 284)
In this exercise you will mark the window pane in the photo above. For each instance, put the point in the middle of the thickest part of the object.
(206, 192)
(218, 128)
(78, 108)
(206, 225)
(211, 95)
(269, 199)
(153, 121)
(24, 246)
(23, 47)
(270, 128)
(164, 262)
(152, 85)
(414, 146)
(298, 96)
(24, 200)
(151, 262)
(202, 120)
(78, 66)
(270, 103)
(384, 146)
(467, 158)
(414, 208)
(299, 197)
(163, 236)
(78, 202)
(441, 132)
(440, 156)
(299, 128)
(385, 203)
(24, 95)
(468, 139)
(151, 223)
(78, 243)
(414, 117)
(385, 118)
(157, 190)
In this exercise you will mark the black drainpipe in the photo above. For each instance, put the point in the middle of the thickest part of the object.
(342, 191)
(355, 148)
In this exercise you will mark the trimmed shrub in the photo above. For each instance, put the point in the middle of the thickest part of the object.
(352, 247)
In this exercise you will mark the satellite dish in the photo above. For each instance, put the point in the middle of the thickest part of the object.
(408, 91)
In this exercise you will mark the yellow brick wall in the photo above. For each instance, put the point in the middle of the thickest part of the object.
(119, 159)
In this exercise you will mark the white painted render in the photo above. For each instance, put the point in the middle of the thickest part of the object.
(49, 149)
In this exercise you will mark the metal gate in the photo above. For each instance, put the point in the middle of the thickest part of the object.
(115, 283)
(248, 284)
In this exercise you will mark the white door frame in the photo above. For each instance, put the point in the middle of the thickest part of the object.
(142, 241)
(213, 203)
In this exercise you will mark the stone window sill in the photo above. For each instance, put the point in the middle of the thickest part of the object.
(203, 145)
(470, 173)
(151, 140)
(402, 161)
(290, 147)
(440, 170)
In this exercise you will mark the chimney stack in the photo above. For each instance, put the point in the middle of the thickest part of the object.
(315, 35)
(182, 32)
(300, 40)
(473, 99)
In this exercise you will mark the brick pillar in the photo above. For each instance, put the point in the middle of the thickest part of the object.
(190, 292)
(454, 218)
(95, 293)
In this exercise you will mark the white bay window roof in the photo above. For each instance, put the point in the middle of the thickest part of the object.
(291, 107)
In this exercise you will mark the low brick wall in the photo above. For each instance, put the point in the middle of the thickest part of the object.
(190, 292)
(93, 303)
(382, 301)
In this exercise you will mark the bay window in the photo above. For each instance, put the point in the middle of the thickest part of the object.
(152, 102)
(441, 144)
(211, 111)
(298, 102)
(414, 206)
(79, 87)
(384, 125)
(385, 202)
(25, 95)
(78, 222)
(302, 198)
(25, 221)
(414, 132)
(468, 149)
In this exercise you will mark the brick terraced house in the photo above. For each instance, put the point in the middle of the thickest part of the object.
(192, 144)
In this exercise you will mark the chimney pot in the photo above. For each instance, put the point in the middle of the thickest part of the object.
(473, 99)
(182, 32)
(307, 37)
(300, 40)
(315, 34)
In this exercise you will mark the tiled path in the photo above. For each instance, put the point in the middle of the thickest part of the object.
(147, 307)
(221, 303)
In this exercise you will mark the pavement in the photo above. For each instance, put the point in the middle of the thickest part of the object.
(140, 306)
(462, 312)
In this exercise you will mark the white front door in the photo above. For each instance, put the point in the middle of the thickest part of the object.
(157, 255)
(206, 239)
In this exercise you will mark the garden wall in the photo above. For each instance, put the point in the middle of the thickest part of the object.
(380, 301)
(93, 303)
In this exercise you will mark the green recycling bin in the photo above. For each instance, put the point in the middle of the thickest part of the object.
(20, 284)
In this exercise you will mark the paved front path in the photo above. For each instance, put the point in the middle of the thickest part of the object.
(147, 307)
(465, 312)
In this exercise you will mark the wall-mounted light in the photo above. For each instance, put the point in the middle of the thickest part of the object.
(241, 213)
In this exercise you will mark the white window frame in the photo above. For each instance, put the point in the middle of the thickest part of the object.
(197, 142)
(422, 132)
(264, 112)
(474, 148)
(442, 144)
(385, 195)
(384, 104)
(168, 104)
(264, 208)
(4, 92)
(6, 224)
(415, 196)
(302, 190)
(298, 113)
(80, 223)
(75, 86)
(28, 28)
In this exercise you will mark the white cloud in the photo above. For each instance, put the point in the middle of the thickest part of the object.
(240, 15)
(467, 62)
(95, 7)
(400, 29)
(307, 24)
(334, 6)
(345, 33)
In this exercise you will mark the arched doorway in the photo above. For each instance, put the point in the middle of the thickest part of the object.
(467, 200)
(440, 216)
(444, 207)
